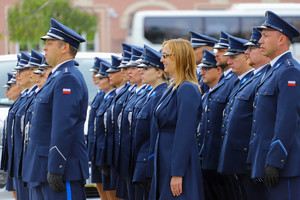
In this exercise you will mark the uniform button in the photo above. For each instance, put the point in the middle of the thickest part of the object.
(140, 116)
(226, 132)
(282, 161)
(225, 114)
(234, 98)
(144, 159)
(209, 99)
(254, 120)
(207, 131)
(254, 134)
(60, 166)
(217, 99)
(200, 123)
(227, 120)
(199, 144)
(207, 121)
(40, 100)
(35, 100)
(222, 137)
(208, 110)
(245, 149)
(28, 139)
(32, 112)
(223, 126)
(255, 107)
(242, 97)
(265, 92)
(231, 108)
(257, 94)
(30, 126)
(129, 109)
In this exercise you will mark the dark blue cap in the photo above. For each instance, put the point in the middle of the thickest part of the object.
(12, 80)
(209, 59)
(44, 63)
(152, 58)
(19, 58)
(35, 60)
(96, 66)
(198, 40)
(9, 76)
(128, 47)
(40, 70)
(255, 37)
(59, 31)
(115, 62)
(23, 61)
(126, 55)
(135, 55)
(276, 23)
(236, 46)
(223, 42)
(104, 66)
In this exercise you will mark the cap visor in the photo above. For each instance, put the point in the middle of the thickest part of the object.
(93, 70)
(47, 37)
(231, 53)
(218, 46)
(112, 70)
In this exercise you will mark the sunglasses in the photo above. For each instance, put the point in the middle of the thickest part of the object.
(167, 55)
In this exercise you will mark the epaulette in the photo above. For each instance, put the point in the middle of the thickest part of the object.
(289, 63)
(66, 71)
(229, 76)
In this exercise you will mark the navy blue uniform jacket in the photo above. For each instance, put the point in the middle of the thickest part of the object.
(275, 136)
(57, 142)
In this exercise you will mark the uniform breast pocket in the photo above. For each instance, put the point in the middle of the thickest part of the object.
(220, 99)
(267, 91)
(43, 99)
(142, 116)
(244, 96)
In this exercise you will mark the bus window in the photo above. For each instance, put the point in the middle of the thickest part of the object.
(213, 26)
(246, 25)
(158, 29)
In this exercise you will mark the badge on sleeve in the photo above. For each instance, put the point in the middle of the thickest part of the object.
(66, 91)
(291, 83)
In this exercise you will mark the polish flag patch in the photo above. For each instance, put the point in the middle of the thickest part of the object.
(66, 91)
(291, 83)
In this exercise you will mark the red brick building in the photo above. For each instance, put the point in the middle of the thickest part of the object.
(114, 17)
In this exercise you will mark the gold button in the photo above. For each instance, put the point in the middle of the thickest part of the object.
(254, 134)
(257, 94)
(245, 149)
(60, 166)
(223, 126)
(254, 120)
(207, 121)
(144, 159)
(207, 131)
(282, 161)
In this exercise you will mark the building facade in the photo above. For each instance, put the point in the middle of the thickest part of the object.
(114, 18)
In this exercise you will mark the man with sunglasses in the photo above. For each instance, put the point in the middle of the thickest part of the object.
(275, 137)
(237, 122)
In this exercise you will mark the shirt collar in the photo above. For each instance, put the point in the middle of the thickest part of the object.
(57, 66)
(244, 74)
(259, 69)
(275, 59)
(227, 72)
(119, 89)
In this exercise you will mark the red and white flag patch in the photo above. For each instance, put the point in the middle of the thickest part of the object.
(291, 83)
(66, 91)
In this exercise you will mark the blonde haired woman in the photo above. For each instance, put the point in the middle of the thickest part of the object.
(177, 170)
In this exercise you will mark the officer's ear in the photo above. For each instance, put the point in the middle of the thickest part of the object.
(219, 70)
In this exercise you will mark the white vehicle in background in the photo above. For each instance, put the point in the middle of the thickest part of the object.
(154, 26)
(7, 63)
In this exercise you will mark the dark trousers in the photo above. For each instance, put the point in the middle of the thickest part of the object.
(250, 190)
(286, 189)
(74, 191)
(220, 187)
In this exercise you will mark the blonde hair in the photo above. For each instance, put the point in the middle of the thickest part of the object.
(185, 62)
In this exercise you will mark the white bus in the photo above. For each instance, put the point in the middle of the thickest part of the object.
(153, 27)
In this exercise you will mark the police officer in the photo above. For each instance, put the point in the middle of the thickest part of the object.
(96, 176)
(126, 126)
(237, 120)
(112, 112)
(56, 144)
(274, 144)
(199, 43)
(13, 94)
